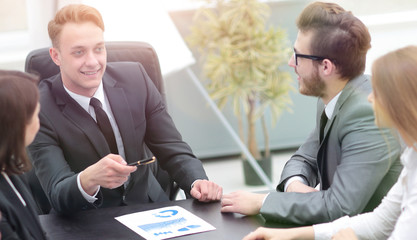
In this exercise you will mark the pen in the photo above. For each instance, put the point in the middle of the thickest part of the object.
(143, 161)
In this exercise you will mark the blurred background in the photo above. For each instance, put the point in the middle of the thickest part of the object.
(164, 24)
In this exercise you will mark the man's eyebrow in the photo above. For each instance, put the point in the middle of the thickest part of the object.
(77, 47)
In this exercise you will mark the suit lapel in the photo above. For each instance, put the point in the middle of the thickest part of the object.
(121, 112)
(123, 116)
(27, 215)
(322, 153)
(124, 119)
(347, 91)
(79, 117)
(32, 220)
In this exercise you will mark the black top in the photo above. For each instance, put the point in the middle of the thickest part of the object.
(18, 221)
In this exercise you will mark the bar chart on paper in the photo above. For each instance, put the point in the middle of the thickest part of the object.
(164, 223)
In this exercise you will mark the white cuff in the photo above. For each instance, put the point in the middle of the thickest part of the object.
(292, 179)
(263, 201)
(87, 197)
(327, 230)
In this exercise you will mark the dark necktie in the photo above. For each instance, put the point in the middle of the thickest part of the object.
(323, 121)
(104, 125)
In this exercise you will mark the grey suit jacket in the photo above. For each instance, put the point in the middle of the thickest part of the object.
(356, 164)
(17, 221)
(69, 141)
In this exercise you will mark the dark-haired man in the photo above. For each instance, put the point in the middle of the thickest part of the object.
(354, 161)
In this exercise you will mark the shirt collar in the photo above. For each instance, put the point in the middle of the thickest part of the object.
(408, 157)
(329, 108)
(85, 101)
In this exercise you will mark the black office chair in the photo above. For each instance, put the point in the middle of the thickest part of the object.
(40, 63)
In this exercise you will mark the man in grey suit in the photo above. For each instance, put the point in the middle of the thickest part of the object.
(354, 161)
(82, 164)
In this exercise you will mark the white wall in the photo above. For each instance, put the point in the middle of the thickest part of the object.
(389, 32)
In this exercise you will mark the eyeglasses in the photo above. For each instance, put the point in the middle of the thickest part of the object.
(312, 57)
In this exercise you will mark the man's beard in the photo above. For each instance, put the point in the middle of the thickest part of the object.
(312, 86)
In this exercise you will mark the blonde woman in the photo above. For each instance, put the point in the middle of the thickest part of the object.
(394, 99)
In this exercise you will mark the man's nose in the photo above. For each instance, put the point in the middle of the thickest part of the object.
(291, 61)
(91, 59)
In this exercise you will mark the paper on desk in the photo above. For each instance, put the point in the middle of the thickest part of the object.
(163, 223)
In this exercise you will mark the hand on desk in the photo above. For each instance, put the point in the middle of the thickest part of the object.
(109, 172)
(281, 234)
(264, 233)
(206, 191)
(242, 202)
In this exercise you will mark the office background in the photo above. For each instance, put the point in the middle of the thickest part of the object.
(22, 29)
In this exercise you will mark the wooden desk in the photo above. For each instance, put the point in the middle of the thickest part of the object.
(100, 223)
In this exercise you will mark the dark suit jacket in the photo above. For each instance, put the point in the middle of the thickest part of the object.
(69, 141)
(356, 164)
(17, 221)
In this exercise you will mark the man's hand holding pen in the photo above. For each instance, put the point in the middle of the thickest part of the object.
(112, 171)
(109, 172)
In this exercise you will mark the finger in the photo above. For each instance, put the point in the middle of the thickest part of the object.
(195, 193)
(249, 236)
(202, 187)
(117, 158)
(226, 202)
(121, 165)
(219, 193)
(226, 209)
(219, 196)
(214, 191)
(254, 236)
(123, 169)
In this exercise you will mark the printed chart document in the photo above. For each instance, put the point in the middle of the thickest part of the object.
(164, 223)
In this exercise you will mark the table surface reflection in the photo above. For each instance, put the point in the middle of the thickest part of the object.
(101, 223)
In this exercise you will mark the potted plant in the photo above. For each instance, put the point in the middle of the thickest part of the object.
(242, 60)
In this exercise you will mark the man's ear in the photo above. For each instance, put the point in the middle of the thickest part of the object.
(328, 67)
(54, 53)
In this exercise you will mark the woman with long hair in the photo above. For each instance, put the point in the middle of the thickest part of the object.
(394, 99)
(19, 123)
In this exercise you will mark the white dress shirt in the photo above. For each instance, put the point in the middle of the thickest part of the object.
(85, 104)
(394, 218)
